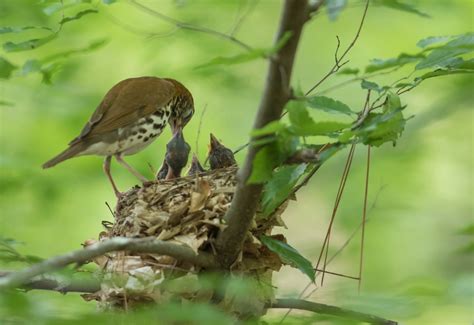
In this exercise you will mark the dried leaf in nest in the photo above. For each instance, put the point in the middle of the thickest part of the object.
(187, 211)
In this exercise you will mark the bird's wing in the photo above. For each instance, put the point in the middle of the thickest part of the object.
(125, 103)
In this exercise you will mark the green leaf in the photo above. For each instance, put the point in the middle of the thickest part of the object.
(6, 68)
(433, 40)
(236, 59)
(397, 5)
(334, 8)
(401, 60)
(108, 2)
(441, 57)
(6, 103)
(270, 128)
(379, 128)
(349, 71)
(444, 55)
(468, 230)
(289, 255)
(62, 55)
(79, 15)
(28, 45)
(328, 104)
(6, 29)
(303, 125)
(277, 189)
(279, 44)
(264, 162)
(370, 86)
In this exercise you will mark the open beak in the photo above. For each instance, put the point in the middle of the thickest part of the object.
(214, 143)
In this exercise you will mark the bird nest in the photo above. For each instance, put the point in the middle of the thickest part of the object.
(187, 211)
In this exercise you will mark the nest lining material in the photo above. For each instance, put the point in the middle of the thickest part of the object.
(187, 211)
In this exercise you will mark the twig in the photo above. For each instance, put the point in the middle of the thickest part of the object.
(142, 245)
(339, 251)
(342, 185)
(240, 18)
(52, 284)
(364, 218)
(188, 26)
(337, 65)
(330, 310)
(246, 197)
(199, 128)
(365, 112)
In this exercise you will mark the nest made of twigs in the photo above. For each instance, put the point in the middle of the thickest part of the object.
(187, 211)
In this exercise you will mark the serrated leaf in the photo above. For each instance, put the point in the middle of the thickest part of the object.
(289, 255)
(270, 128)
(441, 57)
(6, 68)
(425, 42)
(277, 189)
(6, 29)
(346, 71)
(401, 60)
(328, 104)
(303, 125)
(77, 16)
(398, 5)
(62, 55)
(365, 84)
(334, 8)
(28, 45)
(264, 162)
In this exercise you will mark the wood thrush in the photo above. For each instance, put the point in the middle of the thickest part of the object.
(130, 117)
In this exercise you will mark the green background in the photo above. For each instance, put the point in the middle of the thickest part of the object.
(418, 264)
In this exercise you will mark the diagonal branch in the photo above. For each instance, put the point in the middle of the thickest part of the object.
(142, 245)
(276, 94)
(330, 310)
(188, 26)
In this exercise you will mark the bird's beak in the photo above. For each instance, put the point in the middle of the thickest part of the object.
(178, 128)
(214, 142)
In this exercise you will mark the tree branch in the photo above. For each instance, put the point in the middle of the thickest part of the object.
(338, 60)
(187, 26)
(138, 245)
(276, 95)
(330, 310)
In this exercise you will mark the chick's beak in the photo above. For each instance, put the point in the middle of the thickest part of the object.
(177, 127)
(214, 143)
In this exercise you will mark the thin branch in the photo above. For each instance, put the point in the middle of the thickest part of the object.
(138, 245)
(188, 26)
(241, 17)
(246, 197)
(61, 286)
(337, 65)
(330, 310)
(364, 218)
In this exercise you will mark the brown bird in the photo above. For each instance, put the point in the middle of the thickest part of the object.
(195, 168)
(220, 156)
(130, 117)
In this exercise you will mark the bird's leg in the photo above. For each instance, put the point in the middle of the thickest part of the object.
(106, 166)
(132, 170)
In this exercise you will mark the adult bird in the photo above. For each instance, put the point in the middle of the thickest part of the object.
(132, 115)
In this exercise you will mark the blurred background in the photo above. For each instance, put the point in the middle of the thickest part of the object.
(418, 255)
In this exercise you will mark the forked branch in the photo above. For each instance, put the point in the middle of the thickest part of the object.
(276, 94)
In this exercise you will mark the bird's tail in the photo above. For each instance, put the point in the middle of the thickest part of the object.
(66, 154)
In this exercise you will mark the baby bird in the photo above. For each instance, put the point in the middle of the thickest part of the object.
(195, 168)
(220, 156)
(177, 153)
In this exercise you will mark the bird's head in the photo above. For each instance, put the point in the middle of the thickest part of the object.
(182, 109)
